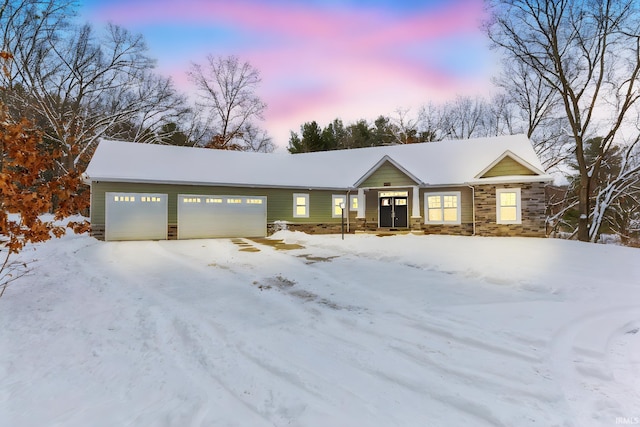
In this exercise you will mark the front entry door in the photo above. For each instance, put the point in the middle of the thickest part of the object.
(393, 212)
(400, 211)
(386, 212)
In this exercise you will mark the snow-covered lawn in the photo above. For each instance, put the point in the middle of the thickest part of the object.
(369, 331)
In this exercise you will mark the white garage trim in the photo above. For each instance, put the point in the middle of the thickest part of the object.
(136, 216)
(210, 216)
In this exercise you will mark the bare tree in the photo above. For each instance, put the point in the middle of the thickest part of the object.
(87, 89)
(227, 92)
(538, 112)
(27, 27)
(78, 86)
(429, 122)
(405, 127)
(588, 53)
(463, 118)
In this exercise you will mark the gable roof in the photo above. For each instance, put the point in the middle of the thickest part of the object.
(433, 163)
(377, 166)
(532, 170)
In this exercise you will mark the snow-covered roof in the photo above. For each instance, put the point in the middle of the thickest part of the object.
(433, 163)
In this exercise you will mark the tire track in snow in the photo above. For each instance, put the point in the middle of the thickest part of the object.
(310, 376)
(184, 336)
(457, 403)
(467, 378)
(198, 352)
(418, 364)
(192, 320)
(580, 356)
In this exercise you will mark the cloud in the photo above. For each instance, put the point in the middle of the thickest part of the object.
(322, 60)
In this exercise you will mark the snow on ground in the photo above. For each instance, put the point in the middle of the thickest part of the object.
(369, 331)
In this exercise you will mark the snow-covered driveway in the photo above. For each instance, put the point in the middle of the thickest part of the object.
(369, 331)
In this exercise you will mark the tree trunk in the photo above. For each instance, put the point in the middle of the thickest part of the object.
(583, 208)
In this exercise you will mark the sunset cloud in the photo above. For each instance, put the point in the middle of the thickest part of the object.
(320, 61)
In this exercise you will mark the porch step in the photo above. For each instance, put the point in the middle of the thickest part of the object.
(390, 231)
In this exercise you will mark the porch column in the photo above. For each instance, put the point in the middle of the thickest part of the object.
(415, 207)
(361, 203)
(361, 220)
(416, 218)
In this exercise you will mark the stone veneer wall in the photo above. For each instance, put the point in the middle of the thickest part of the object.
(533, 211)
(454, 230)
(313, 228)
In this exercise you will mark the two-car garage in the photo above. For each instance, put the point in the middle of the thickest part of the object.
(221, 216)
(145, 216)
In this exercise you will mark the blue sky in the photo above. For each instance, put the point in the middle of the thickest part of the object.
(320, 59)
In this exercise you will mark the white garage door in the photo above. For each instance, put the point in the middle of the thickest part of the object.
(135, 216)
(221, 216)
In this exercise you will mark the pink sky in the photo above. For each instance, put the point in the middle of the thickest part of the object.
(320, 60)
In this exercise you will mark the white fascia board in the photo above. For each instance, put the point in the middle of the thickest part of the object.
(511, 179)
(213, 184)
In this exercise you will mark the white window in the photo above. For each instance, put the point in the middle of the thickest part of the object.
(336, 201)
(300, 205)
(353, 202)
(393, 194)
(508, 206)
(442, 208)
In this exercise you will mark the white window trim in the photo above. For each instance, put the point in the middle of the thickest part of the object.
(333, 205)
(353, 197)
(306, 203)
(458, 220)
(518, 205)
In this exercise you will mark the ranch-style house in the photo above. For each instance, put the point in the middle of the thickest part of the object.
(485, 186)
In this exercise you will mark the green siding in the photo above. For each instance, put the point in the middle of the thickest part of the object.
(507, 167)
(388, 174)
(371, 210)
(279, 201)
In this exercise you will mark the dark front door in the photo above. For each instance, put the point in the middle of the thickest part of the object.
(386, 212)
(393, 212)
(400, 212)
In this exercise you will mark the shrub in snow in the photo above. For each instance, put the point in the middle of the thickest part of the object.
(610, 239)
(562, 235)
(279, 226)
(26, 192)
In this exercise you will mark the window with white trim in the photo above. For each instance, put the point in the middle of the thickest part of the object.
(442, 208)
(300, 205)
(336, 201)
(353, 202)
(508, 206)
